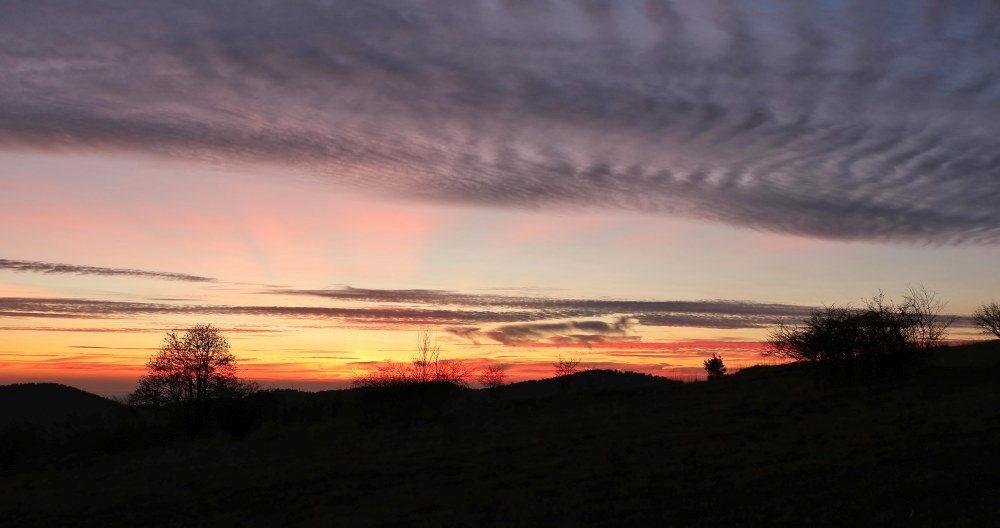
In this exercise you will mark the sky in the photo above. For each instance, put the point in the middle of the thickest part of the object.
(637, 184)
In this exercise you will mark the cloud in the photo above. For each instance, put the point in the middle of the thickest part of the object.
(95, 330)
(475, 318)
(374, 317)
(565, 333)
(716, 320)
(462, 315)
(839, 119)
(703, 314)
(119, 330)
(600, 306)
(110, 348)
(45, 315)
(31, 266)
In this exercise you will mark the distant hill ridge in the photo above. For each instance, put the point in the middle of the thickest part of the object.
(51, 403)
(54, 403)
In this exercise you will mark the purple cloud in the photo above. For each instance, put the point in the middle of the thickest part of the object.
(837, 119)
(30, 266)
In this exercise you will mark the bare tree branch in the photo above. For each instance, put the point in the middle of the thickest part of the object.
(987, 318)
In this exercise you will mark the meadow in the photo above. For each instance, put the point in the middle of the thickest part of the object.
(784, 445)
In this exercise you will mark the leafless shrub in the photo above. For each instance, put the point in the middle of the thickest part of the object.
(929, 325)
(385, 374)
(452, 372)
(881, 337)
(425, 367)
(566, 366)
(427, 360)
(987, 318)
(493, 376)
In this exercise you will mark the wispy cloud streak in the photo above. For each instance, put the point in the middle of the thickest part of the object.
(836, 119)
(31, 266)
(585, 333)
(507, 320)
(570, 307)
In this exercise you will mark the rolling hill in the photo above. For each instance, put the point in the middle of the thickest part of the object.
(774, 446)
(49, 404)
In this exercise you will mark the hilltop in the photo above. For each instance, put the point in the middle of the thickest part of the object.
(49, 404)
(776, 446)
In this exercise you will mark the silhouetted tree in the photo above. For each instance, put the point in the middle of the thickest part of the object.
(493, 376)
(425, 367)
(924, 310)
(425, 363)
(715, 367)
(193, 373)
(881, 337)
(566, 366)
(987, 318)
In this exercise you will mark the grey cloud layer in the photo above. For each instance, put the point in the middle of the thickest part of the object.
(573, 332)
(582, 327)
(507, 319)
(704, 314)
(87, 308)
(476, 318)
(839, 119)
(72, 269)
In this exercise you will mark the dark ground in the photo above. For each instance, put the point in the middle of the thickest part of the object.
(770, 446)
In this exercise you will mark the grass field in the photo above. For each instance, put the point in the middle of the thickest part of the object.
(770, 446)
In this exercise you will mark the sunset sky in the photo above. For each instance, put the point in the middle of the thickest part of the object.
(638, 184)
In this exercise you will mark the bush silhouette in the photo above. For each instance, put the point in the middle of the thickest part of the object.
(881, 338)
(493, 376)
(715, 367)
(425, 367)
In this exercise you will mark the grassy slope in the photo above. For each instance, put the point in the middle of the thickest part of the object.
(772, 446)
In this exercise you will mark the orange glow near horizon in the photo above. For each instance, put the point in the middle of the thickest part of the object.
(77, 352)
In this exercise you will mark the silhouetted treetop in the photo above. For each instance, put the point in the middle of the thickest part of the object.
(191, 372)
(715, 367)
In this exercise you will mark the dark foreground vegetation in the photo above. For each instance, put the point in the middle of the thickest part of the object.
(790, 445)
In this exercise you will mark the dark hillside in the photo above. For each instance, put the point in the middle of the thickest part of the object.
(48, 424)
(983, 356)
(770, 446)
(423, 401)
(584, 382)
(47, 404)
